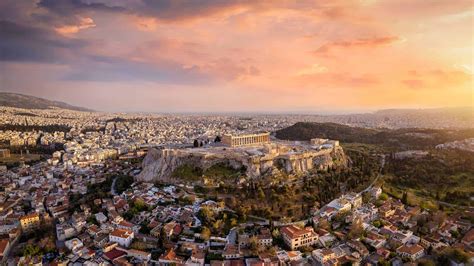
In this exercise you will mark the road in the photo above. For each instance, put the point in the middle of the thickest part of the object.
(232, 236)
(382, 164)
(371, 184)
(452, 205)
(112, 187)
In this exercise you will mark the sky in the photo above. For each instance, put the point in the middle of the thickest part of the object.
(239, 56)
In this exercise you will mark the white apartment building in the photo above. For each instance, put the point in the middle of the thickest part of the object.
(123, 237)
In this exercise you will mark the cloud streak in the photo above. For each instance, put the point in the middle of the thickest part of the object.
(342, 53)
(328, 48)
(26, 43)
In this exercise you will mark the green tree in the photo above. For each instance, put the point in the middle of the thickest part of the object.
(356, 230)
(405, 198)
(377, 223)
(144, 229)
(233, 222)
(383, 197)
(31, 250)
(206, 215)
(205, 233)
(260, 193)
(276, 233)
(455, 254)
(253, 244)
(324, 224)
(426, 262)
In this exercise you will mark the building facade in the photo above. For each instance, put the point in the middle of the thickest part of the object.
(295, 237)
(29, 221)
(246, 140)
(4, 153)
(122, 237)
(412, 252)
(4, 249)
(323, 256)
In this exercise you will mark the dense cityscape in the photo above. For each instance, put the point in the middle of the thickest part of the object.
(71, 195)
(236, 132)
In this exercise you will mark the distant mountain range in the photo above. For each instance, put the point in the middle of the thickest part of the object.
(17, 100)
(450, 117)
(463, 110)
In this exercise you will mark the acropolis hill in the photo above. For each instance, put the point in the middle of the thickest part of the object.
(255, 154)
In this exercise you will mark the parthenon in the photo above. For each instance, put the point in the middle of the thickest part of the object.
(246, 140)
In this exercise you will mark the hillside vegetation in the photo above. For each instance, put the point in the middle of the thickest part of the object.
(30, 102)
(218, 171)
(443, 176)
(395, 139)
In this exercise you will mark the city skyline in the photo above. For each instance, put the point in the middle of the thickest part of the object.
(239, 56)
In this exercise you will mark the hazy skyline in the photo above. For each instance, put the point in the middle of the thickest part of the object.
(239, 56)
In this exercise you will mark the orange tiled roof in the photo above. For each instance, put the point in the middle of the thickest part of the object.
(3, 245)
(122, 233)
(293, 231)
(469, 236)
(410, 249)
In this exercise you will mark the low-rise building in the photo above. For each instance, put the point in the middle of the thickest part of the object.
(122, 237)
(264, 239)
(231, 252)
(100, 217)
(323, 255)
(4, 248)
(29, 221)
(412, 252)
(354, 199)
(74, 244)
(197, 258)
(170, 258)
(295, 237)
(468, 238)
(375, 192)
(138, 254)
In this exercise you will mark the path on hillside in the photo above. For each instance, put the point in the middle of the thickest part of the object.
(112, 187)
(382, 164)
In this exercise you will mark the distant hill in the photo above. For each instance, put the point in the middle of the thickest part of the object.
(441, 118)
(30, 102)
(307, 131)
(463, 110)
(405, 138)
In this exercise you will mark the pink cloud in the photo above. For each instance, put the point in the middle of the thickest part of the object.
(257, 47)
(83, 23)
(357, 43)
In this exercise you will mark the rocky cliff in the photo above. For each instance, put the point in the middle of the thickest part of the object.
(159, 165)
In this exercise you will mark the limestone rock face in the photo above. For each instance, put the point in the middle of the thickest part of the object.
(154, 166)
(159, 165)
(336, 158)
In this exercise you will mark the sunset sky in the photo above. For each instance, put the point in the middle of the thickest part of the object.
(239, 56)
